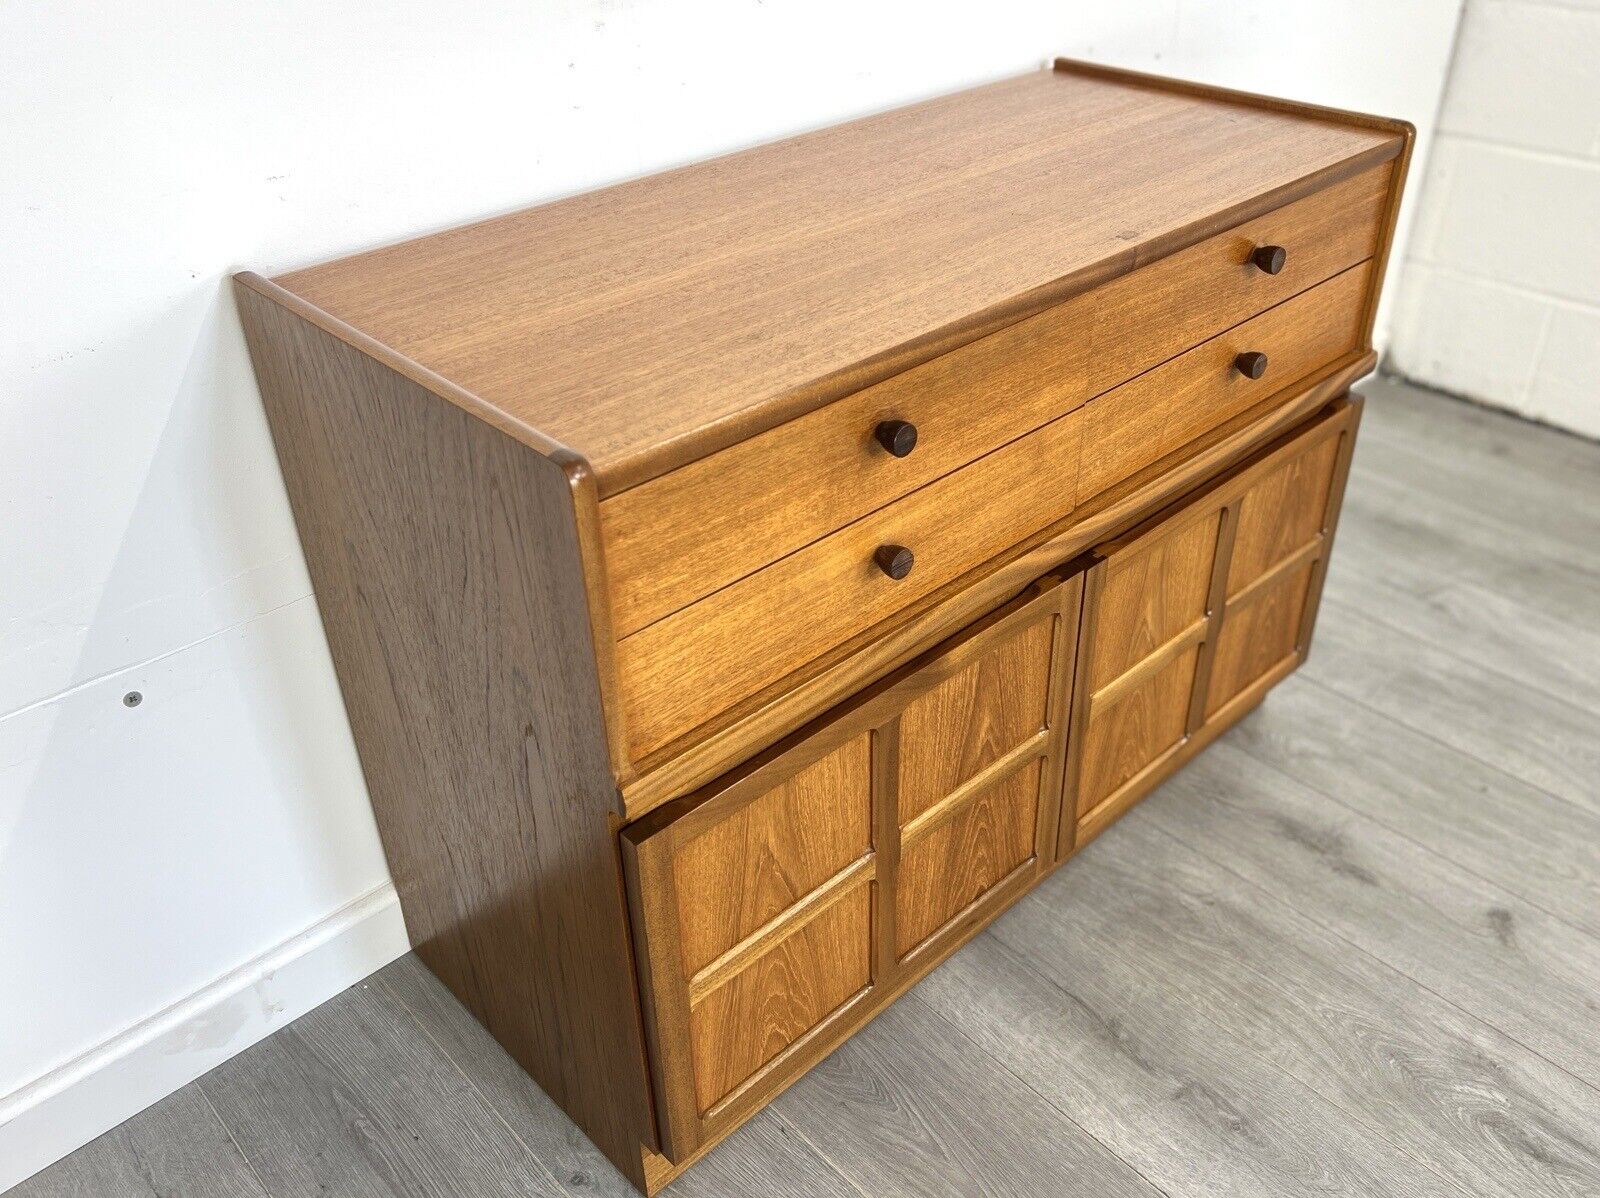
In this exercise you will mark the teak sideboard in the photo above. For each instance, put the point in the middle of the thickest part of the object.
(747, 581)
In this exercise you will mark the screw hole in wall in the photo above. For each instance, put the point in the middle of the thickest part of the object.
(132, 699)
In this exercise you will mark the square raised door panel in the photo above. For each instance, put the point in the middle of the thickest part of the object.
(1153, 592)
(1259, 637)
(972, 772)
(754, 915)
(1283, 514)
(1132, 727)
(746, 870)
(1284, 520)
(1147, 612)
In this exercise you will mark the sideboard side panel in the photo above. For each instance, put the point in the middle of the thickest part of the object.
(446, 563)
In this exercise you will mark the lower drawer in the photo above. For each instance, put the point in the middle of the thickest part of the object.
(776, 909)
(1164, 409)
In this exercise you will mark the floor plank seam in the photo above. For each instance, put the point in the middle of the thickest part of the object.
(1472, 411)
(1385, 717)
(1376, 1131)
(1435, 850)
(227, 1130)
(1452, 504)
(1355, 1117)
(1389, 966)
(1044, 1098)
(1369, 581)
(1437, 489)
(1406, 443)
(1368, 614)
(444, 1051)
(822, 1154)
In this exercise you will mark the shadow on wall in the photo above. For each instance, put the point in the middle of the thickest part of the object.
(237, 745)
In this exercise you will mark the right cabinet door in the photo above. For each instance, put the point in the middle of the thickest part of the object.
(1192, 617)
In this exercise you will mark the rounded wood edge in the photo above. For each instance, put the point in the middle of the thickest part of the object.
(402, 365)
(577, 470)
(581, 482)
(623, 474)
(1344, 116)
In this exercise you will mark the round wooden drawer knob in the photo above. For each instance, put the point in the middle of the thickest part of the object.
(1252, 365)
(894, 560)
(899, 437)
(1270, 258)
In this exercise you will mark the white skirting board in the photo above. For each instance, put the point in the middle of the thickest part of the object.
(69, 1106)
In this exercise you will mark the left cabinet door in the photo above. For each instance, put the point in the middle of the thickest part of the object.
(777, 908)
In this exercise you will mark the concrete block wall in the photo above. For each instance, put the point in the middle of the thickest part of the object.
(1499, 296)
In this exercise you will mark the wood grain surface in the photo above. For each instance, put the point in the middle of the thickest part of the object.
(958, 860)
(361, 1076)
(1171, 651)
(682, 671)
(636, 325)
(470, 730)
(772, 852)
(686, 669)
(1122, 737)
(765, 717)
(1480, 1110)
(1257, 634)
(1499, 826)
(911, 1107)
(685, 534)
(1495, 955)
(788, 990)
(411, 996)
(1151, 595)
(1281, 514)
(175, 1146)
(972, 719)
(1165, 409)
(1150, 1077)
(768, 926)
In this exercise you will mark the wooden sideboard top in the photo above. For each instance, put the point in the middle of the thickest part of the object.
(643, 326)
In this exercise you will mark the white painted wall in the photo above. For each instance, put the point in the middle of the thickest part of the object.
(1500, 292)
(165, 869)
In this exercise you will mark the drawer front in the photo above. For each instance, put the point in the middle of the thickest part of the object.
(774, 910)
(675, 539)
(1190, 618)
(695, 664)
(1165, 409)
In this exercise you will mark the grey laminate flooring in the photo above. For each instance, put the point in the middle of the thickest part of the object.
(1354, 948)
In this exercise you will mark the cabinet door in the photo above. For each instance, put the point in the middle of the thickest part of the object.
(776, 909)
(1283, 523)
(1190, 618)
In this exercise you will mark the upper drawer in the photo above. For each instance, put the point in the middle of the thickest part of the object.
(680, 537)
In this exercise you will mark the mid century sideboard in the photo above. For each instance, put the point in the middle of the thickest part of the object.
(747, 581)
